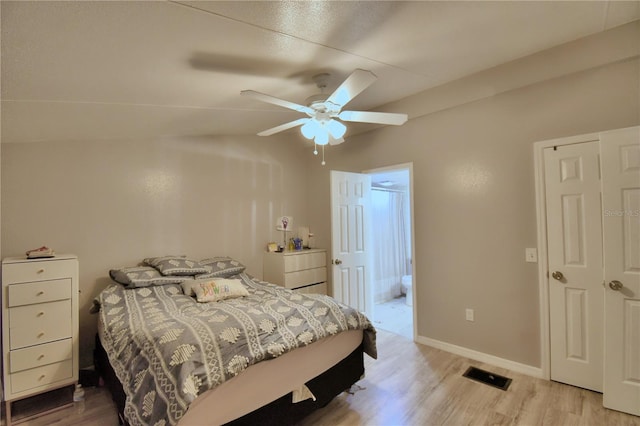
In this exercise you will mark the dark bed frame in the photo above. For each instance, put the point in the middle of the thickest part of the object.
(282, 411)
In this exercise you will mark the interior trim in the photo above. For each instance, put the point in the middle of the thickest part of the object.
(517, 367)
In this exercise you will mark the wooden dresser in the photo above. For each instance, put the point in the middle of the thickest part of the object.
(39, 325)
(304, 271)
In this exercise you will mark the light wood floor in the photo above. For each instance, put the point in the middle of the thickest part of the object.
(412, 384)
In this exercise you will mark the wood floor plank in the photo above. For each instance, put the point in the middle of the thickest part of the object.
(412, 384)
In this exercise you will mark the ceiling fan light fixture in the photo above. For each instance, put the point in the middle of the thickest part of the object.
(322, 137)
(310, 128)
(336, 128)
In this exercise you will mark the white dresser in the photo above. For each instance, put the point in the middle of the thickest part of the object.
(39, 325)
(304, 271)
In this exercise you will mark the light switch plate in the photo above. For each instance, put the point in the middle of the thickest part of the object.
(531, 255)
(469, 314)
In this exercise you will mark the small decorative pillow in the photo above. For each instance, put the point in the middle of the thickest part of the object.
(188, 285)
(221, 267)
(141, 276)
(176, 265)
(214, 290)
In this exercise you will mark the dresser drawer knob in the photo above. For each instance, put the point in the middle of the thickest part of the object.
(41, 357)
(40, 271)
(41, 334)
(41, 313)
(42, 377)
(40, 293)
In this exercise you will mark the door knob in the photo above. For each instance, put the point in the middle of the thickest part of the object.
(337, 261)
(557, 275)
(615, 285)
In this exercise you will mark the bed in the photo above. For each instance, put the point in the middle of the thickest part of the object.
(268, 356)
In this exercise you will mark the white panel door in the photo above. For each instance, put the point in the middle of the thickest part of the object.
(574, 235)
(620, 151)
(350, 201)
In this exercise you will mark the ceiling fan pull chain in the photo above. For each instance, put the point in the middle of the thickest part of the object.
(315, 149)
(323, 163)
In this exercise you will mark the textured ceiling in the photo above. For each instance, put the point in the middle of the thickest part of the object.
(127, 70)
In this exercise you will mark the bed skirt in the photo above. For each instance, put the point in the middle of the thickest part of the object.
(282, 411)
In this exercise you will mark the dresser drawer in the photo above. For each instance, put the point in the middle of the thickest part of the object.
(306, 277)
(41, 376)
(38, 292)
(37, 356)
(298, 262)
(28, 271)
(27, 327)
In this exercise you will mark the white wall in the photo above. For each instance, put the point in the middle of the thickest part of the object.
(114, 203)
(474, 199)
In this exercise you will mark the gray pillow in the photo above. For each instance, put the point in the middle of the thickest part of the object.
(176, 265)
(221, 267)
(142, 276)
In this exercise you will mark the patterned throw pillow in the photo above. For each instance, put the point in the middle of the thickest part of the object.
(213, 290)
(189, 284)
(221, 267)
(176, 265)
(142, 276)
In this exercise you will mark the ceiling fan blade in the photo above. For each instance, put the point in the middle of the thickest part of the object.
(352, 87)
(283, 127)
(392, 118)
(277, 101)
(333, 141)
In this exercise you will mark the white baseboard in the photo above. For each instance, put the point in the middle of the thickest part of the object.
(482, 357)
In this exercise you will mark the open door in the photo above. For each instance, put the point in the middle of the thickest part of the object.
(620, 151)
(350, 222)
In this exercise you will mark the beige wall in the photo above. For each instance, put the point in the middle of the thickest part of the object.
(474, 199)
(114, 203)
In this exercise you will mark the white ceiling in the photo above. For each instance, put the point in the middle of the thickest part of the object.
(130, 70)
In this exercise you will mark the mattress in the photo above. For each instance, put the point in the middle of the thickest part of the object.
(269, 380)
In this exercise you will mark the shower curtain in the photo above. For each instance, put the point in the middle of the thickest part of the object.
(389, 242)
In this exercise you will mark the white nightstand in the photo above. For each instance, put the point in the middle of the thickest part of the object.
(39, 326)
(304, 271)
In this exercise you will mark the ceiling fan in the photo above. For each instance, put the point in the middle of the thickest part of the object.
(324, 112)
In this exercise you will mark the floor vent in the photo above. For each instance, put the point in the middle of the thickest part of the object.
(491, 379)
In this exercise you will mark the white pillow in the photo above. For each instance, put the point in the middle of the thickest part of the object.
(216, 289)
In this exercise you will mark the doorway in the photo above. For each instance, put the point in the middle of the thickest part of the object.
(391, 250)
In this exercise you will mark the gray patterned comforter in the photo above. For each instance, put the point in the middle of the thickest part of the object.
(166, 348)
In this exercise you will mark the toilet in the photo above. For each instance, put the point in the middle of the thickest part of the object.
(407, 288)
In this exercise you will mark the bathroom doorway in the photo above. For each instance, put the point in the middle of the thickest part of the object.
(392, 278)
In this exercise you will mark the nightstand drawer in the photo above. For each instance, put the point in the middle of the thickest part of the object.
(33, 270)
(38, 292)
(41, 376)
(298, 262)
(55, 324)
(37, 356)
(306, 277)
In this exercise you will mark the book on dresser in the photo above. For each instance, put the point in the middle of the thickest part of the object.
(39, 326)
(303, 271)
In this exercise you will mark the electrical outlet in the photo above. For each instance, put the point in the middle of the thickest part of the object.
(531, 255)
(469, 314)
